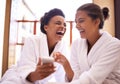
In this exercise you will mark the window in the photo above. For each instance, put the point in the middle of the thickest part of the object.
(25, 15)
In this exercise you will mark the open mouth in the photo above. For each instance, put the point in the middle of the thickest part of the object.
(60, 32)
(81, 31)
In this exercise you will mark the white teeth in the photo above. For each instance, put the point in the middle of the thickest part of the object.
(60, 32)
(81, 30)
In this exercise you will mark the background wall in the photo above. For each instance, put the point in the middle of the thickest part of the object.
(110, 23)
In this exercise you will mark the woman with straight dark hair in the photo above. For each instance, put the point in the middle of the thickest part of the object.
(95, 57)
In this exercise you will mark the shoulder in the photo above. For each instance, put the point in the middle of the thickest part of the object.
(114, 42)
(111, 42)
(33, 39)
(77, 44)
(78, 41)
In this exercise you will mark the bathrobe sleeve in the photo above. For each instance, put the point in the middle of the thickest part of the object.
(28, 59)
(11, 76)
(74, 59)
(108, 59)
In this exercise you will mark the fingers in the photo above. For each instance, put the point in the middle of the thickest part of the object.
(42, 73)
(57, 55)
(48, 67)
(39, 62)
(45, 70)
(42, 76)
(60, 58)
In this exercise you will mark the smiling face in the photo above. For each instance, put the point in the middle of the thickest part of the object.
(56, 28)
(86, 25)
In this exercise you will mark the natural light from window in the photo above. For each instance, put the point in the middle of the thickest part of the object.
(34, 10)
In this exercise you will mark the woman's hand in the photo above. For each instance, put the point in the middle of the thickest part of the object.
(62, 60)
(42, 71)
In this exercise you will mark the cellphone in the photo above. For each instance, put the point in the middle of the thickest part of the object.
(47, 60)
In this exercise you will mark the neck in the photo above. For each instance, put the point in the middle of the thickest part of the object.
(93, 40)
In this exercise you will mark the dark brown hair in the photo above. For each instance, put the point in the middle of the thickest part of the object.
(47, 16)
(94, 11)
(105, 11)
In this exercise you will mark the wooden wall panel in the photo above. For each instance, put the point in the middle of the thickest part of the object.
(6, 36)
(117, 19)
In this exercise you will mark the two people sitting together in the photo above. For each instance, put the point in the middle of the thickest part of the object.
(94, 58)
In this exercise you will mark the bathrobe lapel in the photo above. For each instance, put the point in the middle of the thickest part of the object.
(83, 56)
(44, 51)
(44, 47)
(98, 46)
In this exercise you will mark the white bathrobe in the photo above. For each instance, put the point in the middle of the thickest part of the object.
(35, 47)
(101, 65)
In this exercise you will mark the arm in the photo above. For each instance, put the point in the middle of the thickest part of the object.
(71, 68)
(28, 67)
(28, 59)
(74, 59)
(65, 63)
